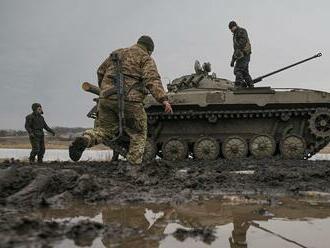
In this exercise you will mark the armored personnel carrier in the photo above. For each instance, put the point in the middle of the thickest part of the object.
(212, 119)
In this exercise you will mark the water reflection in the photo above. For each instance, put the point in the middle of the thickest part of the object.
(216, 223)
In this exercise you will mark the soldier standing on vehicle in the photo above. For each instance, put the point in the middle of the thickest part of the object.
(140, 75)
(34, 125)
(241, 56)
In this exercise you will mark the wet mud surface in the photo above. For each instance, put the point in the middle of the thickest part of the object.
(57, 183)
(26, 191)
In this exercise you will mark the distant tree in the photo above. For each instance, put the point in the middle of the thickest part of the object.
(3, 133)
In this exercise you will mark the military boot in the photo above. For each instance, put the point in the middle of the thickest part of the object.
(240, 84)
(31, 160)
(249, 82)
(250, 85)
(115, 158)
(77, 147)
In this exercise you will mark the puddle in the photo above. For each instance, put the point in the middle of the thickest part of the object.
(280, 222)
(56, 154)
(88, 155)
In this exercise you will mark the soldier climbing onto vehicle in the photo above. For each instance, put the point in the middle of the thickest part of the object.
(34, 125)
(139, 76)
(241, 56)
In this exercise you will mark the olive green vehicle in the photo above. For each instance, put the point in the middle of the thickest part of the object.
(212, 120)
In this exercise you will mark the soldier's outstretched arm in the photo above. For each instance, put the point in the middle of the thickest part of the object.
(48, 129)
(153, 83)
(102, 69)
(152, 80)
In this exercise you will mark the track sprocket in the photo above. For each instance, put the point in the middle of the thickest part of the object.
(319, 123)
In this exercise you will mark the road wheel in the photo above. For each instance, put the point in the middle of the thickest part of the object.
(234, 147)
(293, 147)
(206, 148)
(262, 146)
(175, 149)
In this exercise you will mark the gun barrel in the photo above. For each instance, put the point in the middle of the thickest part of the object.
(90, 88)
(258, 79)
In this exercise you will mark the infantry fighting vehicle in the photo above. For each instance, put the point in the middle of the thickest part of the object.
(213, 119)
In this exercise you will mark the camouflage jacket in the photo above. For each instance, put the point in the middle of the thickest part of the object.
(35, 123)
(140, 75)
(242, 45)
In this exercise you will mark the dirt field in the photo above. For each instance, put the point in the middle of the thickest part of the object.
(160, 181)
(56, 185)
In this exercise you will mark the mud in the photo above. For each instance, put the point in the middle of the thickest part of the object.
(18, 229)
(59, 183)
(25, 188)
(204, 234)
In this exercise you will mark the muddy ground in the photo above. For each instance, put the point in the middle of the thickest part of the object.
(24, 187)
(52, 184)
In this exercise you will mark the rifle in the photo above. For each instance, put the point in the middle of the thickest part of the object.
(119, 144)
(256, 225)
(119, 84)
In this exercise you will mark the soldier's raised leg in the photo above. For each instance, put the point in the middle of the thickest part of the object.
(115, 155)
(106, 129)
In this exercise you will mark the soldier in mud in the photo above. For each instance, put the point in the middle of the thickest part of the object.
(34, 125)
(140, 76)
(241, 56)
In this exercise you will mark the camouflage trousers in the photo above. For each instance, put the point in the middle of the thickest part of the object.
(38, 148)
(241, 71)
(106, 127)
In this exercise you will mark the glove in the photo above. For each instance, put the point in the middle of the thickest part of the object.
(232, 63)
(53, 133)
(32, 135)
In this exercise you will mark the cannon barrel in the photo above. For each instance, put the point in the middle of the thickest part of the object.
(90, 88)
(259, 79)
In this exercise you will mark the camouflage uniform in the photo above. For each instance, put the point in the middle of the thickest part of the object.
(242, 52)
(34, 125)
(137, 67)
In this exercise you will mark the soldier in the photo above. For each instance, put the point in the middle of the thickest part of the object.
(140, 74)
(34, 125)
(241, 56)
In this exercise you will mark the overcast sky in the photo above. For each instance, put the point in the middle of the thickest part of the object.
(48, 48)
